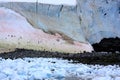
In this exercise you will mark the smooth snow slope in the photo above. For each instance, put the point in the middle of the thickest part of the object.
(55, 2)
(16, 32)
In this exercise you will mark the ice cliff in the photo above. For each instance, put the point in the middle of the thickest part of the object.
(87, 22)
(99, 19)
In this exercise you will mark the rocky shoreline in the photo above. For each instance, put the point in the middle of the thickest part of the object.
(102, 58)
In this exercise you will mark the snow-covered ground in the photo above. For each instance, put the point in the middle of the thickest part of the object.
(54, 69)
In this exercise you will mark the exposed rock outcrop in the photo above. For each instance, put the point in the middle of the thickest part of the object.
(108, 45)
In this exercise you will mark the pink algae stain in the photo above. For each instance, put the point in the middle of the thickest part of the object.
(5, 30)
(4, 27)
(78, 43)
(2, 13)
(40, 34)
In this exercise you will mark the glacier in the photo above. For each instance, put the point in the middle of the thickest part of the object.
(87, 22)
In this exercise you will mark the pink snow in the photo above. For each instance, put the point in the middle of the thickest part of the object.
(16, 32)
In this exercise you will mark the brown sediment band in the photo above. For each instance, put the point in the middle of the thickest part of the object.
(103, 58)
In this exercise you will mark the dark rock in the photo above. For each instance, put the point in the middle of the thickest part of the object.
(103, 58)
(108, 45)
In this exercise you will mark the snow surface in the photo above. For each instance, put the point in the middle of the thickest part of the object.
(28, 37)
(55, 69)
(55, 2)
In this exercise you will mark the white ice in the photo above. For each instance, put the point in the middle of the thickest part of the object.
(54, 2)
(55, 69)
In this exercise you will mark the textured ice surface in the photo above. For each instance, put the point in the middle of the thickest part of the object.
(54, 2)
(55, 69)
(99, 18)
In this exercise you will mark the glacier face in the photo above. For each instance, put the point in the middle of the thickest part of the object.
(99, 19)
(88, 21)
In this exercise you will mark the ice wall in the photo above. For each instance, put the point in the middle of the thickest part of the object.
(52, 2)
(88, 22)
(99, 19)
